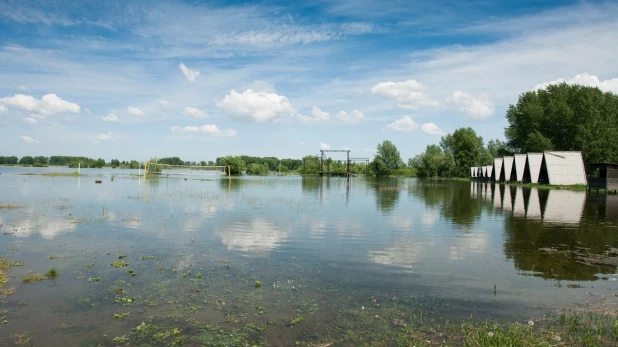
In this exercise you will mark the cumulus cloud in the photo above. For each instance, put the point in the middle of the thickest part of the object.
(262, 86)
(405, 123)
(28, 139)
(406, 94)
(163, 103)
(324, 146)
(431, 129)
(112, 117)
(47, 105)
(3, 110)
(194, 113)
(587, 80)
(476, 107)
(353, 117)
(317, 116)
(208, 129)
(105, 137)
(191, 75)
(259, 107)
(134, 111)
(31, 120)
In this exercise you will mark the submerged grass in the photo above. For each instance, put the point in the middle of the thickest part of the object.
(5, 265)
(11, 206)
(52, 174)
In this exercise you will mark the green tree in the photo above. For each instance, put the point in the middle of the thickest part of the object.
(498, 149)
(236, 164)
(566, 118)
(387, 159)
(257, 169)
(26, 160)
(310, 165)
(434, 162)
(467, 149)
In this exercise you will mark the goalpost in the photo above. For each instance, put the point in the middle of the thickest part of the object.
(193, 170)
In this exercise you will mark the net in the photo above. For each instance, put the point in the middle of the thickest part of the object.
(192, 170)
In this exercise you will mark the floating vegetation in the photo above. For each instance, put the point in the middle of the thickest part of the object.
(63, 256)
(131, 272)
(295, 321)
(52, 174)
(125, 300)
(119, 263)
(93, 279)
(33, 277)
(121, 315)
(89, 266)
(257, 284)
(122, 256)
(11, 206)
(52, 273)
(21, 339)
(5, 265)
(260, 310)
(198, 275)
(120, 340)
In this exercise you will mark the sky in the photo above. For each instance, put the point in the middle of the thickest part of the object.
(199, 80)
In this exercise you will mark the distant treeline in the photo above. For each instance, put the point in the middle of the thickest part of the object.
(69, 161)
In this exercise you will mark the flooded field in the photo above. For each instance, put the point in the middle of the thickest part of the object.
(279, 261)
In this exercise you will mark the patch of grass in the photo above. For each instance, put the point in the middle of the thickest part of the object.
(52, 273)
(121, 316)
(5, 265)
(21, 339)
(33, 277)
(11, 206)
(52, 174)
(119, 263)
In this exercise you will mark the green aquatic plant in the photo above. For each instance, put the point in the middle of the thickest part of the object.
(52, 273)
(257, 284)
(33, 277)
(131, 272)
(198, 275)
(295, 321)
(119, 263)
(120, 340)
(121, 315)
(93, 279)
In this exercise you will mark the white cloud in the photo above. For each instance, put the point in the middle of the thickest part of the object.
(355, 116)
(194, 113)
(260, 107)
(476, 107)
(68, 119)
(324, 145)
(4, 110)
(208, 129)
(191, 75)
(587, 80)
(48, 104)
(105, 137)
(404, 124)
(262, 86)
(431, 129)
(23, 88)
(32, 120)
(406, 94)
(112, 117)
(134, 111)
(318, 116)
(164, 104)
(28, 139)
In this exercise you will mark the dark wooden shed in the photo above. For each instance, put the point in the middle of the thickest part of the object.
(603, 176)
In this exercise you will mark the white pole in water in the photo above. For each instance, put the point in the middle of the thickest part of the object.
(139, 169)
(79, 168)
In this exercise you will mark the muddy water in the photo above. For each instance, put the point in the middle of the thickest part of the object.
(195, 245)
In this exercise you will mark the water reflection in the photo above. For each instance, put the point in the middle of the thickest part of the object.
(30, 222)
(555, 234)
(387, 193)
(454, 200)
(257, 235)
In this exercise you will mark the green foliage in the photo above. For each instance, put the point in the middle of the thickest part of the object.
(433, 163)
(497, 149)
(389, 154)
(567, 118)
(467, 150)
(310, 165)
(236, 164)
(379, 168)
(27, 160)
(8, 160)
(257, 169)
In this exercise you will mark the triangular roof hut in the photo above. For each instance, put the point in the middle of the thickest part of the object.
(519, 164)
(533, 167)
(489, 171)
(507, 167)
(562, 168)
(473, 171)
(479, 172)
(497, 168)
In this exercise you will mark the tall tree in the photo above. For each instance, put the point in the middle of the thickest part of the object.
(467, 149)
(565, 118)
(387, 159)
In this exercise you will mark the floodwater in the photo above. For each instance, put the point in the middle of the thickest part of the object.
(195, 245)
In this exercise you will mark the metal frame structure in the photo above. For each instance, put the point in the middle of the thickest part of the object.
(323, 157)
(366, 160)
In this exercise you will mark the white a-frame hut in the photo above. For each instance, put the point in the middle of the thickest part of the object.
(473, 171)
(489, 171)
(533, 167)
(507, 167)
(562, 168)
(497, 168)
(519, 164)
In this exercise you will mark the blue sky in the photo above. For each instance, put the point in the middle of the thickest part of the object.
(204, 79)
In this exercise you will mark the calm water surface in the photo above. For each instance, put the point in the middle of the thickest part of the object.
(318, 247)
